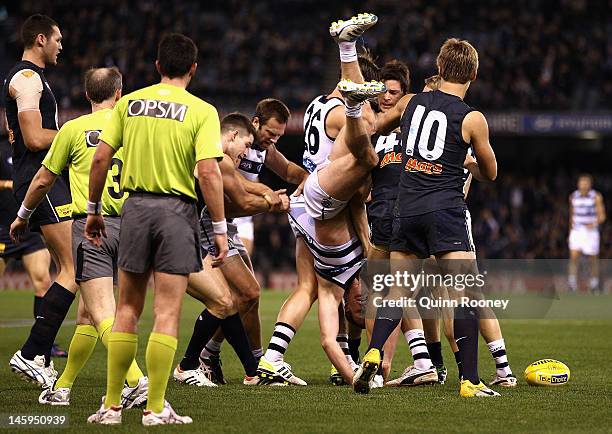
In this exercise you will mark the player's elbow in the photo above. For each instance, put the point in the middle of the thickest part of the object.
(33, 144)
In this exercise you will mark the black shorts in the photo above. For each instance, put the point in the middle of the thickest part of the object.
(382, 230)
(55, 207)
(30, 242)
(445, 230)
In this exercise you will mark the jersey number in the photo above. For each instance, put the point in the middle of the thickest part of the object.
(312, 133)
(415, 125)
(115, 190)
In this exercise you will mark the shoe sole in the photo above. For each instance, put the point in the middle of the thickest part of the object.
(421, 380)
(267, 378)
(25, 377)
(504, 384)
(362, 383)
(335, 31)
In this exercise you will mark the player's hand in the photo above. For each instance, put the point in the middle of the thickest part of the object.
(469, 160)
(18, 228)
(300, 188)
(273, 198)
(220, 249)
(283, 205)
(95, 229)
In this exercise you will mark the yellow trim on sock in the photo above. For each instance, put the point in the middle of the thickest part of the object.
(169, 341)
(87, 330)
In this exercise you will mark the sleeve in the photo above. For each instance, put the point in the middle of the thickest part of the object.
(26, 88)
(59, 154)
(113, 130)
(208, 137)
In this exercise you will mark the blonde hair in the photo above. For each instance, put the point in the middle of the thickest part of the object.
(457, 61)
(433, 82)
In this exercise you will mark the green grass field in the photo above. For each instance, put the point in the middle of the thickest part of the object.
(584, 405)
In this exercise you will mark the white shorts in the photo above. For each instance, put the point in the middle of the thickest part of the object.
(245, 227)
(320, 205)
(586, 241)
(338, 264)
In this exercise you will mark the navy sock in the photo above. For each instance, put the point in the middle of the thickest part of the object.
(234, 333)
(37, 304)
(380, 367)
(204, 328)
(53, 309)
(435, 353)
(466, 336)
(353, 345)
(387, 319)
(458, 361)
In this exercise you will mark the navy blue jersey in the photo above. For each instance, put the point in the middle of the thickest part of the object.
(385, 176)
(26, 163)
(433, 148)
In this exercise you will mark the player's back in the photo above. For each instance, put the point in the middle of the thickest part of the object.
(317, 143)
(434, 153)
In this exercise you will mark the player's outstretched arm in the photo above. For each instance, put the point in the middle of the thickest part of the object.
(94, 227)
(475, 130)
(287, 170)
(388, 121)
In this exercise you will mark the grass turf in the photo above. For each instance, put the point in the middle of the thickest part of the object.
(581, 406)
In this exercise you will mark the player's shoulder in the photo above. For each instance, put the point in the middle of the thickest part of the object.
(24, 76)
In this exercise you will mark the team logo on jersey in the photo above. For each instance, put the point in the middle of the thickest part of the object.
(391, 158)
(414, 165)
(157, 109)
(250, 166)
(92, 138)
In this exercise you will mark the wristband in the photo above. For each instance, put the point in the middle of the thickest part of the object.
(94, 208)
(220, 228)
(24, 213)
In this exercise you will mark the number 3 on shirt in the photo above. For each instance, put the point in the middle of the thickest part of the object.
(114, 190)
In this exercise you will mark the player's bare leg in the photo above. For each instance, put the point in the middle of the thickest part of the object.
(594, 280)
(573, 270)
(37, 265)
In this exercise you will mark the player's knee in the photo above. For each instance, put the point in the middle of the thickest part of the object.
(328, 342)
(223, 307)
(250, 296)
(307, 290)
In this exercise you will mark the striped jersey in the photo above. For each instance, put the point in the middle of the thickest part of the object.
(251, 164)
(317, 144)
(584, 210)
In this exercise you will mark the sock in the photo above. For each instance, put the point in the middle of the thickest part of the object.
(348, 51)
(418, 348)
(37, 304)
(122, 349)
(212, 348)
(53, 310)
(257, 353)
(81, 346)
(159, 357)
(498, 351)
(353, 111)
(380, 370)
(387, 319)
(466, 336)
(572, 282)
(204, 328)
(342, 340)
(458, 361)
(353, 345)
(435, 352)
(134, 373)
(281, 338)
(233, 329)
(593, 283)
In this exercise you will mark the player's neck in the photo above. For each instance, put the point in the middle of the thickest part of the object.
(34, 57)
(457, 89)
(108, 104)
(335, 93)
(181, 82)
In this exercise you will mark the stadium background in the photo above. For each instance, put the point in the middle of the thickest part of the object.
(543, 83)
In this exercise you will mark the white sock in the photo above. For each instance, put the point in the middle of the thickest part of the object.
(572, 282)
(353, 111)
(418, 348)
(498, 351)
(212, 347)
(594, 283)
(348, 52)
(342, 340)
(281, 338)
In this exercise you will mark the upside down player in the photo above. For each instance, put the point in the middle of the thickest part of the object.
(431, 216)
(74, 146)
(211, 285)
(31, 112)
(323, 120)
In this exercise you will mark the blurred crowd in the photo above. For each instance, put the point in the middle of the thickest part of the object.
(517, 217)
(534, 54)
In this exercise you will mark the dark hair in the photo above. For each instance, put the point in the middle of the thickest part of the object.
(398, 71)
(367, 65)
(102, 83)
(271, 108)
(176, 53)
(36, 25)
(241, 123)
